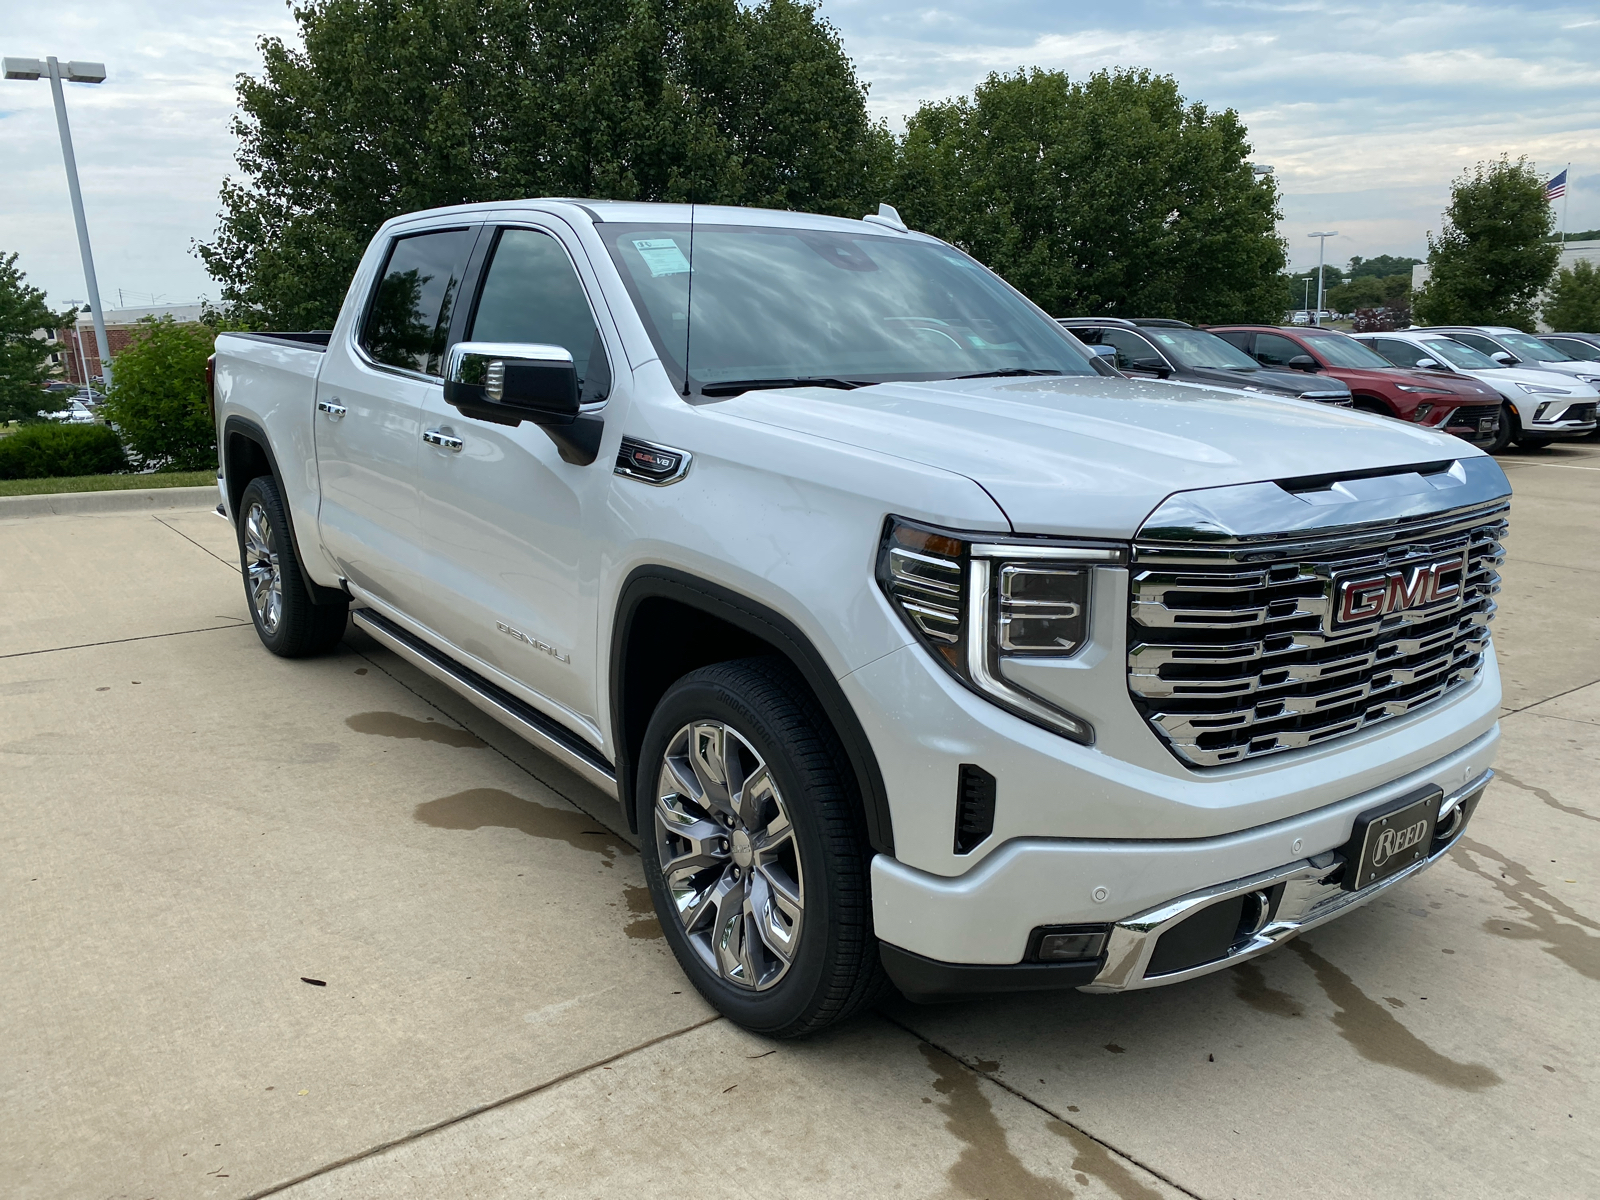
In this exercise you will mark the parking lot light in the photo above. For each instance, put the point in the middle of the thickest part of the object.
(1322, 247)
(72, 72)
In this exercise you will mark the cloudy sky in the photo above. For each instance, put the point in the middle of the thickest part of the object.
(1365, 110)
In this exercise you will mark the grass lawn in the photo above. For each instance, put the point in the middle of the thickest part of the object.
(106, 483)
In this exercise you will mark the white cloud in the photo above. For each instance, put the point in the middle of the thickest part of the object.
(1366, 111)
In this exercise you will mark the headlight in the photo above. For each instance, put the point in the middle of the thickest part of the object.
(1591, 380)
(973, 601)
(1539, 389)
(1430, 391)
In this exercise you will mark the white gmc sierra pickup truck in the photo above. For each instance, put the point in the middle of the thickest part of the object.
(915, 643)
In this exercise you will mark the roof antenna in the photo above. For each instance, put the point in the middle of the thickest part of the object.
(688, 305)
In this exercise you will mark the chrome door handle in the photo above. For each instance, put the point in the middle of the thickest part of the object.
(445, 441)
(333, 410)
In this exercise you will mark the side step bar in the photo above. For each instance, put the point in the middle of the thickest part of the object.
(555, 740)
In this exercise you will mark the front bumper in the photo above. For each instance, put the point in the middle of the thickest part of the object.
(1310, 895)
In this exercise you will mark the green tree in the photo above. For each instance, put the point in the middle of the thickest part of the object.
(1574, 300)
(158, 399)
(1492, 259)
(1381, 266)
(1371, 291)
(23, 357)
(1111, 195)
(398, 105)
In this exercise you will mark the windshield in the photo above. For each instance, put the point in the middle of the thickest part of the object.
(1524, 346)
(1342, 351)
(797, 304)
(1457, 354)
(1197, 348)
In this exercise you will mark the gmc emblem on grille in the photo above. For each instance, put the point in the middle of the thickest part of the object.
(1367, 596)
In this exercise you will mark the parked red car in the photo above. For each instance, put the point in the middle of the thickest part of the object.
(1451, 403)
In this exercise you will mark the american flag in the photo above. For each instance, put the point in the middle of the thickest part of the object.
(1556, 188)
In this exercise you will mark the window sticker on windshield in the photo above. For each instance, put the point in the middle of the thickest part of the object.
(661, 255)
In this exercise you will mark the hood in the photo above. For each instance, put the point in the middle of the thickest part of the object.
(1292, 383)
(1451, 384)
(1092, 456)
(1575, 369)
(1540, 377)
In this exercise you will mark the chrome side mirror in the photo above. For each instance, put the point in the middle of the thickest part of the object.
(1427, 364)
(511, 382)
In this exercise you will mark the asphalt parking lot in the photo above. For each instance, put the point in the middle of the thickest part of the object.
(322, 929)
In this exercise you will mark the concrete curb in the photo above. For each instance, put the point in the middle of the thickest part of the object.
(61, 504)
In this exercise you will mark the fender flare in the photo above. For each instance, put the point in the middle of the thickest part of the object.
(658, 582)
(246, 428)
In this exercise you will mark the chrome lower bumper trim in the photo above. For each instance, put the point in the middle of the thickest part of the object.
(1308, 900)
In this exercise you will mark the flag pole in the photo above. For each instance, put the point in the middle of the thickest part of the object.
(1566, 199)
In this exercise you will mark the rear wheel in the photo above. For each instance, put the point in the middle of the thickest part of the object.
(755, 851)
(286, 620)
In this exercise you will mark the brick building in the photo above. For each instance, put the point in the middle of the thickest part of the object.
(78, 353)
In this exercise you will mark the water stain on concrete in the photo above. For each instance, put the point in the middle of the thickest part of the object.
(1378, 1037)
(476, 808)
(1250, 985)
(644, 923)
(1563, 940)
(390, 724)
(1544, 794)
(1091, 1158)
(988, 1169)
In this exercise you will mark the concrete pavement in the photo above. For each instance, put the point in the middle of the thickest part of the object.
(322, 929)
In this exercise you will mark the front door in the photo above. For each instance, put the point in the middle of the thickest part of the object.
(506, 522)
(369, 417)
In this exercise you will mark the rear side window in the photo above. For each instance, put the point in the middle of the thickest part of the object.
(1275, 350)
(1479, 343)
(532, 293)
(1402, 354)
(1235, 337)
(409, 320)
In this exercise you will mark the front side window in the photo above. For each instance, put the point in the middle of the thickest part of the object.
(1275, 350)
(532, 293)
(1478, 342)
(1450, 351)
(1201, 348)
(1344, 351)
(1532, 349)
(1401, 354)
(1132, 350)
(787, 303)
(408, 322)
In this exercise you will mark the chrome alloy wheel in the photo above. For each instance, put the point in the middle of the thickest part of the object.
(728, 853)
(261, 568)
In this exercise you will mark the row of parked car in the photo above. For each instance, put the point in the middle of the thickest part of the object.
(1492, 386)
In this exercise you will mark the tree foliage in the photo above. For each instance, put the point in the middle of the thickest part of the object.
(398, 105)
(1573, 304)
(158, 399)
(1111, 195)
(1492, 259)
(1382, 266)
(47, 450)
(1371, 291)
(23, 356)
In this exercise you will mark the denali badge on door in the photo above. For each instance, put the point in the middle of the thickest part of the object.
(1390, 838)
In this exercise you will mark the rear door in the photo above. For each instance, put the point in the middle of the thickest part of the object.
(371, 398)
(508, 526)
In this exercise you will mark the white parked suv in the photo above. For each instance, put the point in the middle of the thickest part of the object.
(916, 644)
(1541, 406)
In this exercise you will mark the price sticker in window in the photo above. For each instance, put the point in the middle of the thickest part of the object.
(661, 255)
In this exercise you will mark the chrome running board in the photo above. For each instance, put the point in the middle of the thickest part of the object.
(555, 740)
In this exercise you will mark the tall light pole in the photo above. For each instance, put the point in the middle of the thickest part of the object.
(74, 72)
(1322, 247)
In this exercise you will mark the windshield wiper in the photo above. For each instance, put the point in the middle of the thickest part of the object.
(1007, 371)
(732, 387)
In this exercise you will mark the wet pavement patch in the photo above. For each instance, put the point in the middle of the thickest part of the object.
(390, 724)
(643, 909)
(1250, 985)
(1378, 1037)
(476, 808)
(1564, 939)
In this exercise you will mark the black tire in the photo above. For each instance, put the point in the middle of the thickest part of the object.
(1509, 428)
(292, 626)
(833, 969)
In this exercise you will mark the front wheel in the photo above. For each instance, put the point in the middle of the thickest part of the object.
(755, 850)
(1510, 427)
(287, 621)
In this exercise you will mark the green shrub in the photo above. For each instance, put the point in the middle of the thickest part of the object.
(46, 450)
(157, 398)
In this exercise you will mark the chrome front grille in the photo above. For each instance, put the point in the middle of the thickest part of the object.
(1239, 650)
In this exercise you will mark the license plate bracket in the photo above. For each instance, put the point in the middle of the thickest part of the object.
(1391, 837)
(1488, 424)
